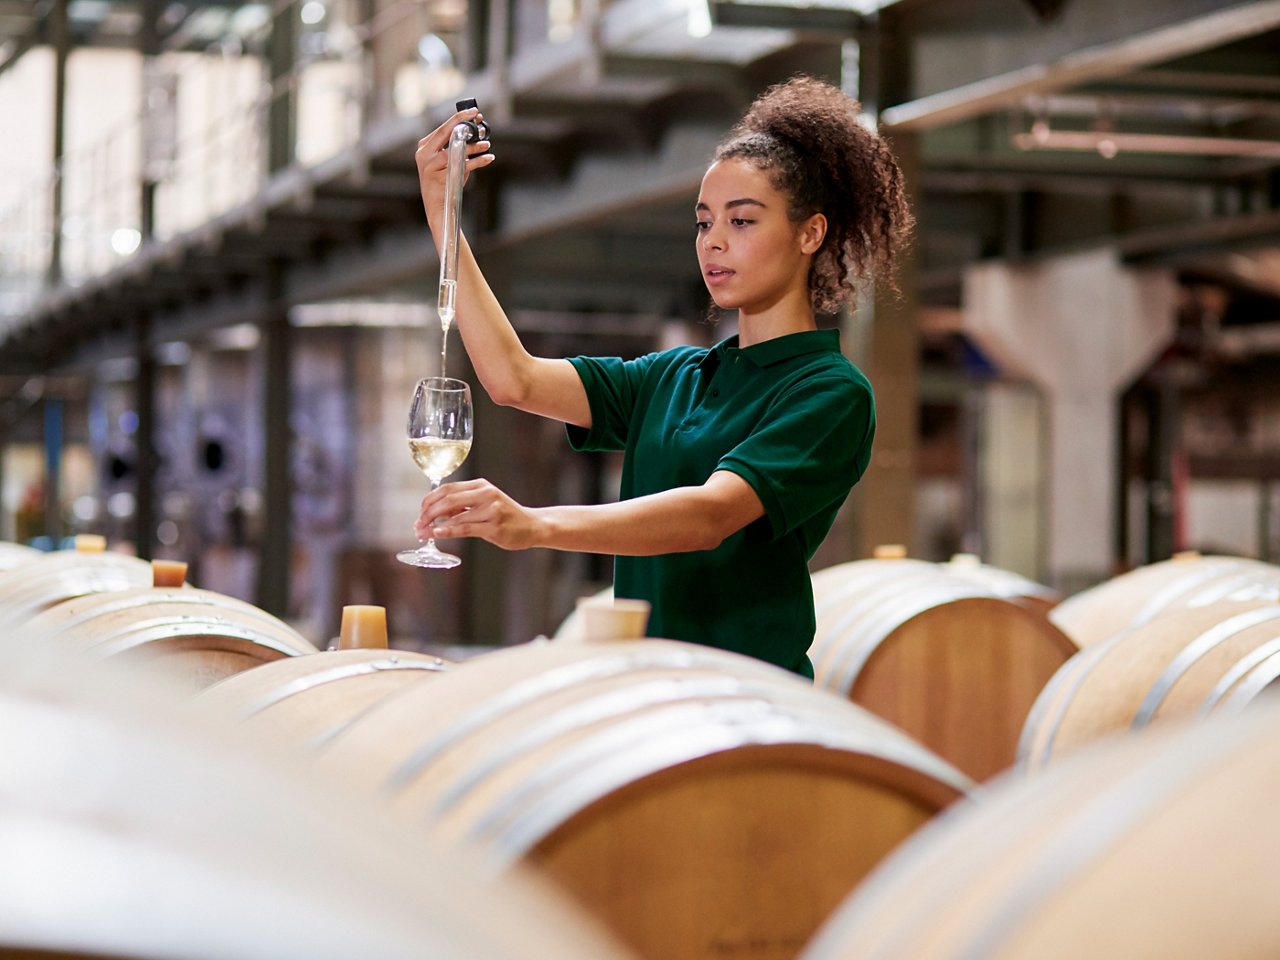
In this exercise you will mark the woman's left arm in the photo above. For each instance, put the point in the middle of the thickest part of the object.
(673, 521)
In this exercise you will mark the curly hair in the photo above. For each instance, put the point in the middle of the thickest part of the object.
(805, 134)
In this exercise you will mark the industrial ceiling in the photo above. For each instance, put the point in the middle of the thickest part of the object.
(1027, 129)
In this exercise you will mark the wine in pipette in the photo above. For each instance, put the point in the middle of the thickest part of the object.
(445, 306)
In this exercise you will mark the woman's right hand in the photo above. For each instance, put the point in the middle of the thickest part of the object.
(432, 158)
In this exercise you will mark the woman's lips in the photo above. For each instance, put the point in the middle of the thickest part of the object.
(716, 274)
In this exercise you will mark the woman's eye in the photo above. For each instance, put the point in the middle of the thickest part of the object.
(702, 225)
(739, 222)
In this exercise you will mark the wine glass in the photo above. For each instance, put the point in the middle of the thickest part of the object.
(439, 440)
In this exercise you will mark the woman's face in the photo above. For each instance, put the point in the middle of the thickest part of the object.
(752, 256)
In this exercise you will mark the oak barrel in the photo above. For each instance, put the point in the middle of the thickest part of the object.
(130, 831)
(1178, 666)
(309, 699)
(699, 802)
(1004, 583)
(51, 578)
(198, 635)
(941, 656)
(1139, 596)
(1159, 845)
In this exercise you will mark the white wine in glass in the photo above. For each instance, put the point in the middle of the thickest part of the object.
(440, 425)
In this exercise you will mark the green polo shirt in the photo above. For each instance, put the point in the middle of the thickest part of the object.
(791, 416)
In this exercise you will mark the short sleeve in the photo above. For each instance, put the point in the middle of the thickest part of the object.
(808, 451)
(613, 386)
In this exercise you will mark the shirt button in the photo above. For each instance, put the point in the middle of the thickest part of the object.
(736, 357)
(715, 392)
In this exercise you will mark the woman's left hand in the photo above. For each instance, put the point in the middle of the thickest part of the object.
(476, 508)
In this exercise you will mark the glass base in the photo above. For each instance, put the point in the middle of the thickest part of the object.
(428, 556)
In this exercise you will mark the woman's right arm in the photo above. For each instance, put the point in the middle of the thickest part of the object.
(509, 373)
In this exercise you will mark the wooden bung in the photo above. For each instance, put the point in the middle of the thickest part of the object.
(90, 543)
(168, 573)
(890, 551)
(363, 627)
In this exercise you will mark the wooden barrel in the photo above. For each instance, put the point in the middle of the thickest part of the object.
(1004, 583)
(1161, 845)
(1139, 596)
(51, 578)
(198, 635)
(938, 655)
(130, 831)
(659, 783)
(307, 700)
(1178, 666)
(13, 555)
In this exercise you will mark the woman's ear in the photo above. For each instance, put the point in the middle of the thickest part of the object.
(812, 232)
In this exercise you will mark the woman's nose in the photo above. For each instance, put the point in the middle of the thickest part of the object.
(712, 239)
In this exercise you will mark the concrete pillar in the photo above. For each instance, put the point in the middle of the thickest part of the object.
(1010, 478)
(1080, 327)
(890, 358)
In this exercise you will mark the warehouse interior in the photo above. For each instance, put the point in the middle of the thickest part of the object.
(217, 289)
(1040, 719)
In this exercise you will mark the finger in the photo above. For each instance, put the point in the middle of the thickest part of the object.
(438, 138)
(445, 504)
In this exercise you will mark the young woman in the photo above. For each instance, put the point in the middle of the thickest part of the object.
(737, 457)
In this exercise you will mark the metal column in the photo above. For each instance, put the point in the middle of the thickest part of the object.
(145, 385)
(276, 548)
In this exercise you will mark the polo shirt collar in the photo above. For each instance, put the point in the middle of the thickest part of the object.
(777, 349)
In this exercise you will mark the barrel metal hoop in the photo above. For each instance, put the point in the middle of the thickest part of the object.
(645, 745)
(1180, 587)
(538, 686)
(331, 675)
(1258, 680)
(1193, 651)
(1245, 666)
(143, 633)
(1088, 659)
(663, 692)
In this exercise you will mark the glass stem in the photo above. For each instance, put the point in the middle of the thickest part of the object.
(431, 540)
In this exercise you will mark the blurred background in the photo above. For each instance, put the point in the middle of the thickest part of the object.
(217, 288)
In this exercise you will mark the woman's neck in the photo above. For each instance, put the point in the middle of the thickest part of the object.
(793, 314)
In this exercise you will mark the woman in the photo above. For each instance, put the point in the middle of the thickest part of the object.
(736, 457)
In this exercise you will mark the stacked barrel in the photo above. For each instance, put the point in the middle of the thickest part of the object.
(642, 797)
(1137, 821)
(1176, 640)
(131, 828)
(686, 801)
(954, 654)
(655, 783)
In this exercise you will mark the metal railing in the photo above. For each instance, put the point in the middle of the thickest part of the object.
(202, 140)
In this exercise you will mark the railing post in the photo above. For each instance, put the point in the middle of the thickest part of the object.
(60, 38)
(282, 124)
(53, 468)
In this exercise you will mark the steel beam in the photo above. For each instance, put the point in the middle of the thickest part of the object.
(1098, 61)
